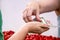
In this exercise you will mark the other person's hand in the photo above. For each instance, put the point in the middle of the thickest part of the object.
(32, 9)
(36, 27)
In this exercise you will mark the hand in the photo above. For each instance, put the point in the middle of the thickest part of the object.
(32, 9)
(37, 27)
(34, 27)
(41, 6)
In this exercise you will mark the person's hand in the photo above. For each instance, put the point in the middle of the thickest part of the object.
(38, 7)
(36, 27)
(32, 9)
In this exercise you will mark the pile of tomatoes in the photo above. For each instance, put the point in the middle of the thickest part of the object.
(40, 37)
(8, 34)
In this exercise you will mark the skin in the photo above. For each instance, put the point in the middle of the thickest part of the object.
(39, 7)
(36, 8)
(33, 27)
(58, 10)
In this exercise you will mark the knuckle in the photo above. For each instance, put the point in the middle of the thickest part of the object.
(28, 15)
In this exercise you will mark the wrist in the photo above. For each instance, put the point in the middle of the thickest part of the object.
(37, 2)
(26, 28)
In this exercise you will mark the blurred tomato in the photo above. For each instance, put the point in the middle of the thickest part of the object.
(8, 34)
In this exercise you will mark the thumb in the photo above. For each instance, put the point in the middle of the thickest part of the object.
(37, 16)
(45, 26)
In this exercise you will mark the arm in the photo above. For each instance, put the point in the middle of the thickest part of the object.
(48, 5)
(38, 7)
(20, 35)
(34, 27)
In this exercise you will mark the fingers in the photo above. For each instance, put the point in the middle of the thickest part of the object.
(24, 15)
(44, 27)
(28, 15)
(37, 15)
(39, 24)
(37, 27)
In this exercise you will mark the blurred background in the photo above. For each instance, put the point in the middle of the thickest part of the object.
(12, 11)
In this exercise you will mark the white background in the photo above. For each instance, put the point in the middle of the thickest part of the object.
(12, 16)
